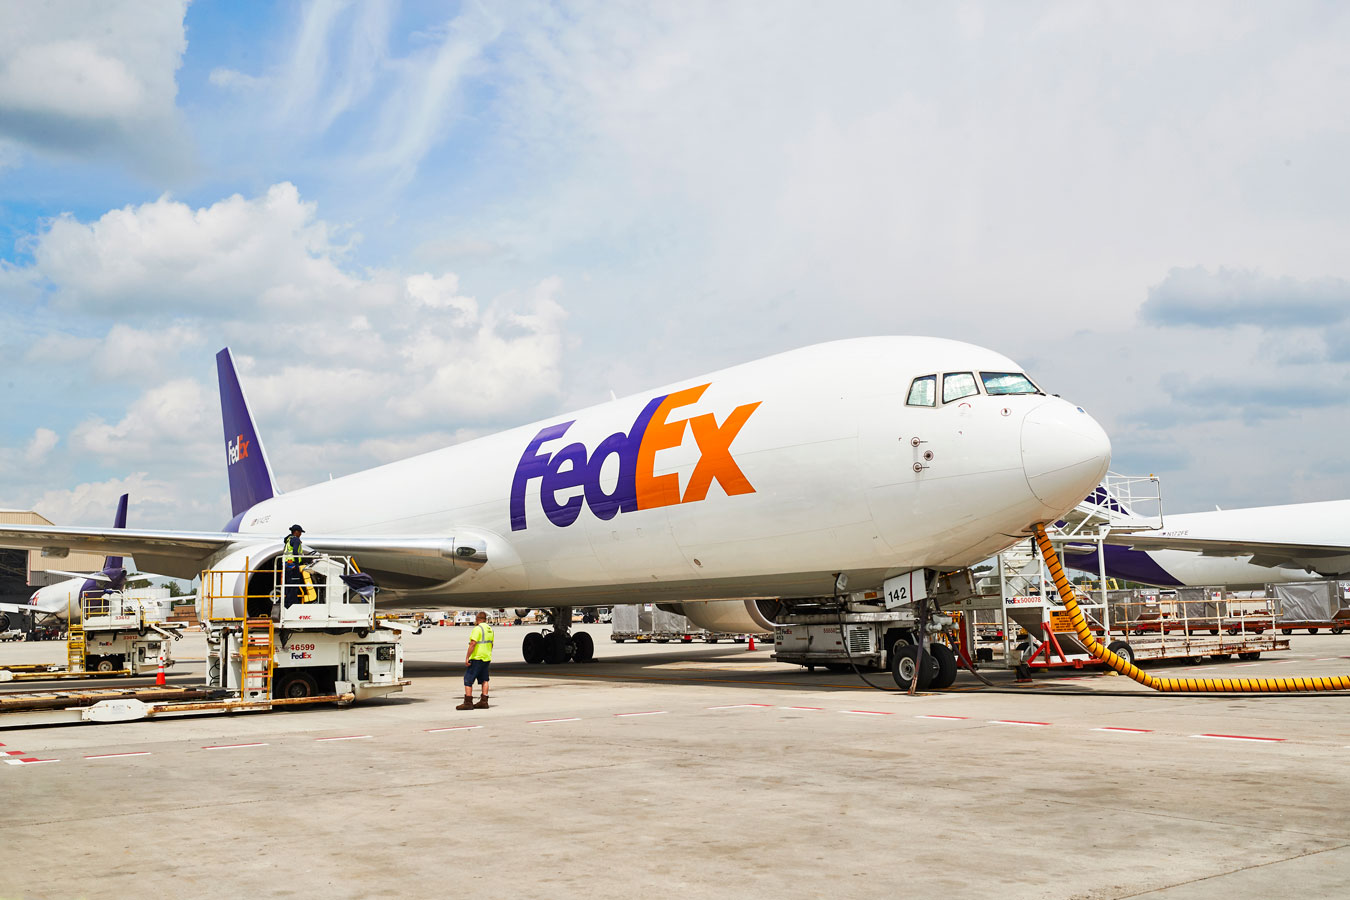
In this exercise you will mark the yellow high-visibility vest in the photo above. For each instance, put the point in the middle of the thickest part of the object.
(482, 636)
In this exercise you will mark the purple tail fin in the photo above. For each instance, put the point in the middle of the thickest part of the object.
(245, 460)
(119, 521)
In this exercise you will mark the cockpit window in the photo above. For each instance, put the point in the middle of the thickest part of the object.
(1007, 383)
(956, 385)
(923, 391)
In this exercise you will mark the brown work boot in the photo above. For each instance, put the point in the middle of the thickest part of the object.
(481, 704)
(467, 704)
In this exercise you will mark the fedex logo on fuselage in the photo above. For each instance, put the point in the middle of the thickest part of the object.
(638, 487)
(236, 450)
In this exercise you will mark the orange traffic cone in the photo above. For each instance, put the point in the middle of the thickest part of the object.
(159, 676)
(752, 643)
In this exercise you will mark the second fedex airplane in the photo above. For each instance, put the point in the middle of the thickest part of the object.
(869, 458)
(56, 601)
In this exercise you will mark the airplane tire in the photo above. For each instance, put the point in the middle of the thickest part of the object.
(532, 648)
(585, 647)
(556, 647)
(946, 666)
(904, 660)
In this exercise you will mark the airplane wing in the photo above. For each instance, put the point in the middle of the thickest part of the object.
(1218, 546)
(396, 562)
(1327, 559)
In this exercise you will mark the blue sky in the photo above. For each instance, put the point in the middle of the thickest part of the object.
(420, 222)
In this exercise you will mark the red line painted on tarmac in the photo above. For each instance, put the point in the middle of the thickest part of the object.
(451, 728)
(952, 718)
(14, 752)
(118, 755)
(1238, 737)
(28, 761)
(653, 712)
(743, 706)
(1015, 722)
(806, 708)
(865, 712)
(551, 721)
(1245, 665)
(345, 737)
(1125, 730)
(233, 746)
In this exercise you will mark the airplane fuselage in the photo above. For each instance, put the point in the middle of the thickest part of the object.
(765, 479)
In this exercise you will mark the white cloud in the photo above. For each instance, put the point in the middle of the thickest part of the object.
(42, 442)
(232, 79)
(94, 503)
(88, 76)
(325, 352)
(234, 257)
(168, 420)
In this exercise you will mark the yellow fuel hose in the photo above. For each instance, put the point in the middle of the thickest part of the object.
(1176, 685)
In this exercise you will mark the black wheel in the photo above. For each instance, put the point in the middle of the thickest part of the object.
(1122, 649)
(296, 685)
(713, 640)
(1214, 631)
(100, 664)
(618, 640)
(1338, 629)
(1254, 654)
(839, 667)
(904, 663)
(1286, 631)
(585, 647)
(946, 666)
(1234, 631)
(1312, 631)
(557, 648)
(532, 648)
(1221, 657)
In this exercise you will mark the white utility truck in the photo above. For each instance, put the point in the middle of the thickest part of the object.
(265, 650)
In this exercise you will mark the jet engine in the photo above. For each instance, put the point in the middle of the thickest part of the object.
(728, 616)
(4, 622)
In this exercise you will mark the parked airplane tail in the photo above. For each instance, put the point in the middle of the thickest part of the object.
(245, 459)
(119, 521)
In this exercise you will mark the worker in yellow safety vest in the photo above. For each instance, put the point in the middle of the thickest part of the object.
(292, 552)
(476, 662)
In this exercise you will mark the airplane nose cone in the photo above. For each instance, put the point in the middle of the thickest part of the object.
(1065, 453)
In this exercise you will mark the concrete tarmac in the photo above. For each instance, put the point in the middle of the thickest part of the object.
(698, 771)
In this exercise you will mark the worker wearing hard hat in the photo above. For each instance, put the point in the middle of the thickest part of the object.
(477, 659)
(292, 552)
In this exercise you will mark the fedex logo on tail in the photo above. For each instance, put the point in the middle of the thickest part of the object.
(236, 450)
(572, 466)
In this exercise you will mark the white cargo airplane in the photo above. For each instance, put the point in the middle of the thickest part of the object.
(1253, 546)
(870, 457)
(56, 600)
(1145, 556)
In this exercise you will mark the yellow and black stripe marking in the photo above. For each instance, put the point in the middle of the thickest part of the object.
(1176, 685)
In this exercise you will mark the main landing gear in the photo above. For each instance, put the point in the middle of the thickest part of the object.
(558, 644)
